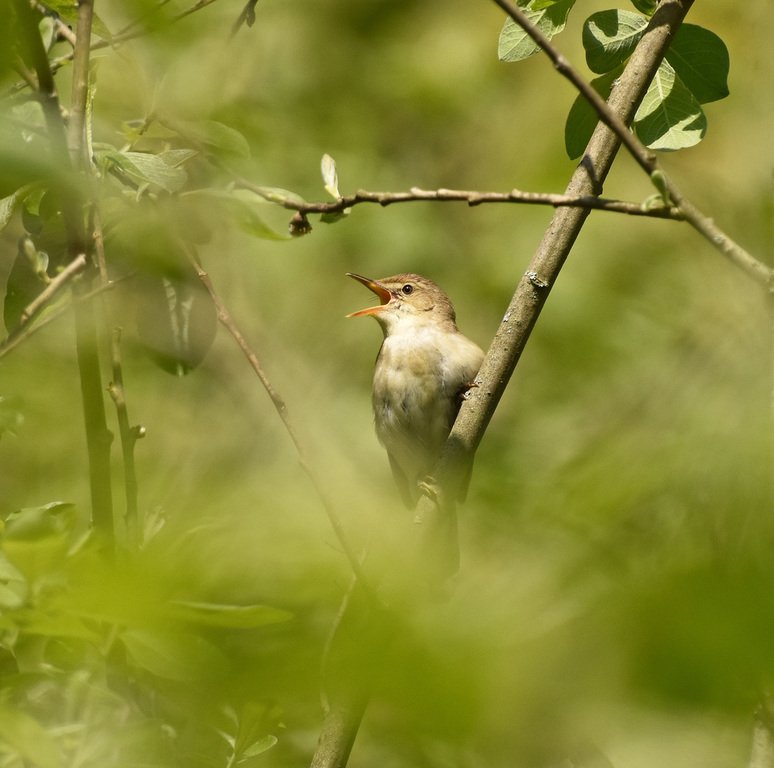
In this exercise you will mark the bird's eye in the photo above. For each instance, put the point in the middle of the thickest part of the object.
(408, 289)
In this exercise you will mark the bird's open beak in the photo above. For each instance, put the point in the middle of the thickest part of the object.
(383, 294)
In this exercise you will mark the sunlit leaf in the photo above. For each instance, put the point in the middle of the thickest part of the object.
(669, 117)
(329, 175)
(515, 44)
(609, 37)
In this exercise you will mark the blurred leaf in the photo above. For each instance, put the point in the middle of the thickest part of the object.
(669, 117)
(25, 736)
(701, 61)
(144, 167)
(258, 748)
(176, 320)
(609, 37)
(330, 177)
(175, 655)
(176, 157)
(25, 282)
(34, 523)
(582, 118)
(68, 11)
(278, 195)
(235, 616)
(8, 206)
(11, 416)
(515, 44)
(213, 134)
(13, 585)
(242, 205)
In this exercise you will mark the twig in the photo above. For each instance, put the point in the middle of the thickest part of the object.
(55, 285)
(641, 154)
(127, 433)
(227, 321)
(471, 197)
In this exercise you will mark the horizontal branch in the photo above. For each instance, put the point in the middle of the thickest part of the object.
(471, 197)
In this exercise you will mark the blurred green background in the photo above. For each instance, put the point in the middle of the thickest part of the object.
(615, 595)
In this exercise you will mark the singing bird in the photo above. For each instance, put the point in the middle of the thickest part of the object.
(424, 367)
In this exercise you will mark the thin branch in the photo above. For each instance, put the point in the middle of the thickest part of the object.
(78, 264)
(128, 434)
(227, 321)
(471, 197)
(641, 154)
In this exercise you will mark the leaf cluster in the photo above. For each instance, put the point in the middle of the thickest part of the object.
(670, 117)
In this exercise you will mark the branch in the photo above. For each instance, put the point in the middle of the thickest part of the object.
(433, 510)
(69, 156)
(471, 197)
(641, 154)
(225, 318)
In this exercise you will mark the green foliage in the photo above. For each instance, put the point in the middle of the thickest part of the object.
(616, 543)
(549, 16)
(670, 117)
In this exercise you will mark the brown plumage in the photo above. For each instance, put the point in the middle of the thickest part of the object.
(424, 367)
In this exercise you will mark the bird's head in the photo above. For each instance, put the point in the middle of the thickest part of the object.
(407, 298)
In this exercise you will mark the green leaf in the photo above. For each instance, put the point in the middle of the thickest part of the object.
(235, 616)
(515, 44)
(669, 117)
(609, 37)
(701, 61)
(243, 205)
(646, 6)
(175, 655)
(582, 118)
(213, 134)
(176, 321)
(258, 747)
(28, 739)
(150, 168)
(330, 177)
(8, 206)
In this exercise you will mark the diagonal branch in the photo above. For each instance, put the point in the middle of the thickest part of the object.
(434, 510)
(227, 321)
(646, 159)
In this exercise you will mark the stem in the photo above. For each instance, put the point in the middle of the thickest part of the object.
(68, 154)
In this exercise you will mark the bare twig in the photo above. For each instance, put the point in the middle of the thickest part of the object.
(471, 197)
(128, 434)
(58, 282)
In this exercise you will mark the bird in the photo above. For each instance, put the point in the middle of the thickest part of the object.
(423, 370)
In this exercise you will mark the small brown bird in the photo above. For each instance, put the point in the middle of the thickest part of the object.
(424, 367)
